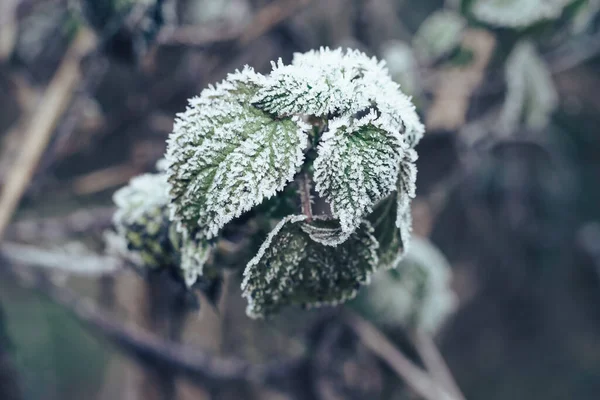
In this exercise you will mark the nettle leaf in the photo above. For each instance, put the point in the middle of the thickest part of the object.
(357, 165)
(415, 295)
(336, 82)
(226, 156)
(141, 222)
(146, 236)
(194, 255)
(392, 218)
(327, 232)
(292, 269)
(517, 13)
(438, 35)
(531, 97)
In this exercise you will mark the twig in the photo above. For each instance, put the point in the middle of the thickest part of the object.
(75, 260)
(51, 107)
(414, 376)
(265, 19)
(145, 347)
(305, 199)
(435, 364)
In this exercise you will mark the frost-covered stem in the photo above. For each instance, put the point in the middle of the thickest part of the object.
(9, 387)
(435, 364)
(305, 199)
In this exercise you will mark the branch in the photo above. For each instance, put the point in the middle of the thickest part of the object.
(435, 364)
(414, 376)
(52, 105)
(210, 370)
(305, 199)
(265, 19)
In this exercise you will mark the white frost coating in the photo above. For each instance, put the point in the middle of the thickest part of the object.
(144, 193)
(144, 234)
(193, 258)
(407, 190)
(291, 269)
(438, 35)
(531, 97)
(357, 165)
(226, 156)
(325, 82)
(416, 295)
(517, 13)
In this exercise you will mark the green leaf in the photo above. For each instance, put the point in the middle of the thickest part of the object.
(226, 156)
(392, 218)
(438, 35)
(357, 165)
(415, 295)
(531, 97)
(292, 269)
(517, 13)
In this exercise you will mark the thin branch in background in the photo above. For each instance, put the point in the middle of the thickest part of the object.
(51, 107)
(435, 364)
(145, 347)
(264, 20)
(417, 379)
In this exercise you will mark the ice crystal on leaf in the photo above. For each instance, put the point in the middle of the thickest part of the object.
(226, 156)
(357, 165)
(415, 295)
(244, 140)
(292, 269)
(144, 233)
(517, 13)
(531, 97)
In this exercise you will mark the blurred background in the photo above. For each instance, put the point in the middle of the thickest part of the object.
(508, 190)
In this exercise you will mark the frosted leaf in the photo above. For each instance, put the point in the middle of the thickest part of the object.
(415, 295)
(403, 66)
(226, 156)
(141, 219)
(357, 165)
(392, 219)
(531, 97)
(517, 13)
(327, 232)
(336, 82)
(144, 234)
(438, 35)
(193, 258)
(291, 269)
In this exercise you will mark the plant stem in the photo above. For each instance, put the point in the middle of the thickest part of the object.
(305, 199)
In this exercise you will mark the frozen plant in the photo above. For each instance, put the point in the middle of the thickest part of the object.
(320, 151)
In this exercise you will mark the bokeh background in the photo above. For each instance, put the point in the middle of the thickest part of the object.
(517, 213)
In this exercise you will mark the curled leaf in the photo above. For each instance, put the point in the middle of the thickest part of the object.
(292, 269)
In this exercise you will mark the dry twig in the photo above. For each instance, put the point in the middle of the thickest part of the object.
(52, 105)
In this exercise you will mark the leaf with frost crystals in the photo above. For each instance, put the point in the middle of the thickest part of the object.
(531, 97)
(357, 165)
(146, 236)
(517, 13)
(392, 219)
(415, 295)
(438, 35)
(291, 269)
(333, 82)
(226, 156)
